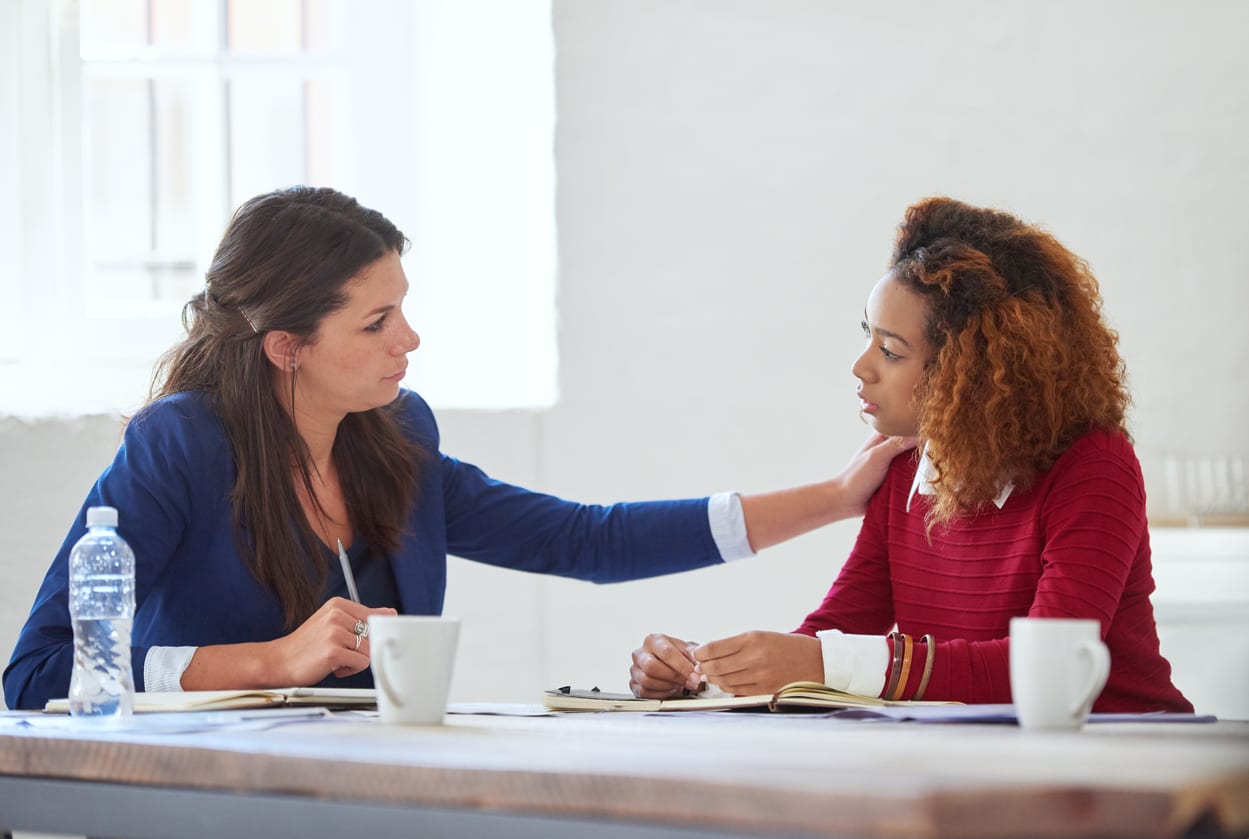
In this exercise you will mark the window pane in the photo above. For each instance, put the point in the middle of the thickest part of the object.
(180, 154)
(122, 28)
(113, 26)
(144, 150)
(323, 141)
(323, 22)
(118, 156)
(116, 287)
(173, 229)
(185, 26)
(266, 135)
(272, 26)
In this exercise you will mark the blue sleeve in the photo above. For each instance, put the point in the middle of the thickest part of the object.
(504, 525)
(149, 482)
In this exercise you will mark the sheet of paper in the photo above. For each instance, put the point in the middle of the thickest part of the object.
(499, 709)
(185, 722)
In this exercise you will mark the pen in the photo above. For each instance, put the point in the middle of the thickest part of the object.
(690, 646)
(351, 580)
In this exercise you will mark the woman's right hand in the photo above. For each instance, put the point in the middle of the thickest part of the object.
(663, 667)
(323, 644)
(866, 470)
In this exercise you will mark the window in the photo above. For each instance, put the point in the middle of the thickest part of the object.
(141, 124)
(189, 108)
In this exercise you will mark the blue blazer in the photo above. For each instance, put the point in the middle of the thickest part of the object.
(171, 481)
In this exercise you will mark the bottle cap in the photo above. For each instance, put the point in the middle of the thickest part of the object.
(101, 517)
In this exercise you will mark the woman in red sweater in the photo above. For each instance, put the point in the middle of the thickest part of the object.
(985, 338)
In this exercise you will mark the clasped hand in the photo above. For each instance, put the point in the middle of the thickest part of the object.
(750, 663)
(326, 643)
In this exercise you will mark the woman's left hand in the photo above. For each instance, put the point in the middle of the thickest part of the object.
(760, 662)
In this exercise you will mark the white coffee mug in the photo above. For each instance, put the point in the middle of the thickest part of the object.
(1058, 667)
(412, 659)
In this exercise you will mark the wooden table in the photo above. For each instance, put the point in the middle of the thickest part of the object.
(627, 775)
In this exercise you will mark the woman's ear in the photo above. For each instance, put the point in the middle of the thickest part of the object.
(282, 349)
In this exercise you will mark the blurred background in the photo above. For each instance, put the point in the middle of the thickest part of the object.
(643, 233)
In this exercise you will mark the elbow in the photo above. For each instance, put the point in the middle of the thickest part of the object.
(25, 689)
(15, 698)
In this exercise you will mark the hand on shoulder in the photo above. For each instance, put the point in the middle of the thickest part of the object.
(867, 467)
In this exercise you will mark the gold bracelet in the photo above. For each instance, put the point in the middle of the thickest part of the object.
(896, 637)
(899, 689)
(931, 644)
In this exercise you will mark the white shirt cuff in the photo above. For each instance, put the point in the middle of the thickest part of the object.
(164, 666)
(728, 526)
(855, 663)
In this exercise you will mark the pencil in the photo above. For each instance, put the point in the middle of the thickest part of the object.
(347, 575)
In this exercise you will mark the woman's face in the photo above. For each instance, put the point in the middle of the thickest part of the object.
(359, 353)
(889, 368)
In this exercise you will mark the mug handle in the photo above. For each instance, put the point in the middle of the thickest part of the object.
(379, 673)
(1099, 661)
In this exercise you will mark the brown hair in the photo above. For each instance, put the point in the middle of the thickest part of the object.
(1023, 362)
(283, 264)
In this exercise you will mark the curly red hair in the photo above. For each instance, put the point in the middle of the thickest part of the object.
(1023, 361)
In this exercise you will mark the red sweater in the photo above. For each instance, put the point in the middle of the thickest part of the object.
(1074, 545)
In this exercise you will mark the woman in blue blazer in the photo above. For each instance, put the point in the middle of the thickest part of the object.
(278, 429)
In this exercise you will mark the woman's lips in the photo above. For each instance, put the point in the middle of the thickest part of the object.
(867, 407)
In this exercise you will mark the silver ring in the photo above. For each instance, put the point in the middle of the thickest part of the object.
(361, 629)
(359, 638)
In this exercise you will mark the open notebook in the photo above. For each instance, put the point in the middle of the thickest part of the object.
(219, 700)
(793, 695)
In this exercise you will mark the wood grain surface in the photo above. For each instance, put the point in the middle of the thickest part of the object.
(751, 773)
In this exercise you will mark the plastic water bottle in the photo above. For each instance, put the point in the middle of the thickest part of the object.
(101, 605)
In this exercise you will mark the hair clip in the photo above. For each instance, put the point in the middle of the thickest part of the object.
(249, 320)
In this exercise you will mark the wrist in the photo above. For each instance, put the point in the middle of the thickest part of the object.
(234, 667)
(814, 659)
(264, 665)
(837, 503)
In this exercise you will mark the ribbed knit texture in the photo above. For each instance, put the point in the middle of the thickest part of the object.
(1075, 544)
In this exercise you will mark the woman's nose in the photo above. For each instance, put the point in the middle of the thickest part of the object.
(860, 368)
(407, 339)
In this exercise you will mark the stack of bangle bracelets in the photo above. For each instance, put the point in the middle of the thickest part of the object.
(900, 673)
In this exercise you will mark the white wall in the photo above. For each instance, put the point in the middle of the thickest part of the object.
(730, 175)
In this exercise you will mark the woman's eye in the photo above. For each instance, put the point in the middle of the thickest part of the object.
(889, 355)
(866, 331)
(376, 325)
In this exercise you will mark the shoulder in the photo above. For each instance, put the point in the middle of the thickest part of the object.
(191, 410)
(1102, 446)
(416, 418)
(1097, 461)
(182, 421)
(901, 473)
(896, 487)
(903, 466)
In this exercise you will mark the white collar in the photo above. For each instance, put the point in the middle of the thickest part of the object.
(925, 472)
